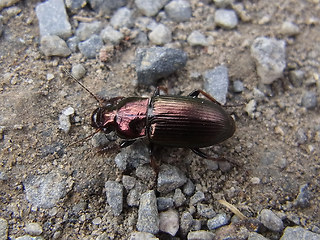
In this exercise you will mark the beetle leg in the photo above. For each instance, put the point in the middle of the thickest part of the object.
(127, 143)
(206, 156)
(157, 91)
(196, 93)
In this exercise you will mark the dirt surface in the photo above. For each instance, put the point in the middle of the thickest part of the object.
(265, 146)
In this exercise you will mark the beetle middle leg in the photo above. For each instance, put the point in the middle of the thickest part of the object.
(196, 93)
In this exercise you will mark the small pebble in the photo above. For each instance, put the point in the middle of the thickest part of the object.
(300, 233)
(197, 197)
(128, 182)
(53, 19)
(296, 77)
(164, 203)
(169, 222)
(3, 229)
(225, 166)
(50, 76)
(114, 193)
(91, 47)
(223, 3)
(160, 35)
(106, 7)
(99, 140)
(135, 193)
(226, 18)
(304, 196)
(211, 165)
(216, 83)
(122, 18)
(301, 136)
(271, 220)
(188, 188)
(289, 29)
(158, 62)
(186, 222)
(86, 30)
(238, 86)
(33, 229)
(309, 100)
(97, 221)
(142, 236)
(178, 198)
(270, 57)
(200, 235)
(7, 3)
(256, 236)
(196, 38)
(148, 217)
(205, 211)
(170, 178)
(178, 10)
(146, 173)
(54, 46)
(255, 180)
(251, 107)
(78, 71)
(73, 43)
(111, 35)
(150, 8)
(218, 221)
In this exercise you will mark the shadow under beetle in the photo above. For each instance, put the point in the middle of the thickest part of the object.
(173, 121)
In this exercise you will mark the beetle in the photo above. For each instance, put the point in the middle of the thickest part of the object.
(173, 121)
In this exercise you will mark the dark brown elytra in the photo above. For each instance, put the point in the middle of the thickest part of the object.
(173, 121)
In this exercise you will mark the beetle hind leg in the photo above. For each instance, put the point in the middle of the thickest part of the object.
(206, 156)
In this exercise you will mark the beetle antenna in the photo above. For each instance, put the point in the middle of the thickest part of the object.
(84, 139)
(76, 80)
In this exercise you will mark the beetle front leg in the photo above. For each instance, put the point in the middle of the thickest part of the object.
(196, 93)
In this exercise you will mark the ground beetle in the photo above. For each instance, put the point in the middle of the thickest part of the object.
(174, 121)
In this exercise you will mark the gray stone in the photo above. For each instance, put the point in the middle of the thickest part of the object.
(218, 221)
(304, 196)
(86, 30)
(7, 3)
(75, 5)
(99, 140)
(196, 38)
(73, 43)
(91, 47)
(45, 190)
(301, 136)
(3, 229)
(197, 197)
(114, 193)
(296, 77)
(216, 83)
(54, 46)
(169, 222)
(28, 237)
(160, 35)
(188, 188)
(150, 7)
(256, 236)
(179, 198)
(271, 220)
(142, 236)
(202, 234)
(135, 193)
(164, 203)
(132, 157)
(78, 71)
(270, 57)
(122, 18)
(53, 19)
(158, 62)
(105, 7)
(178, 10)
(111, 35)
(205, 211)
(309, 100)
(300, 233)
(148, 217)
(225, 166)
(238, 86)
(128, 182)
(223, 3)
(226, 18)
(33, 229)
(170, 178)
(146, 173)
(186, 222)
(64, 119)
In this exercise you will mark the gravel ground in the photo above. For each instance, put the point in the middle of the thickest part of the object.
(259, 57)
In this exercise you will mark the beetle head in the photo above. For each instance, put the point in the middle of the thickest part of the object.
(103, 118)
